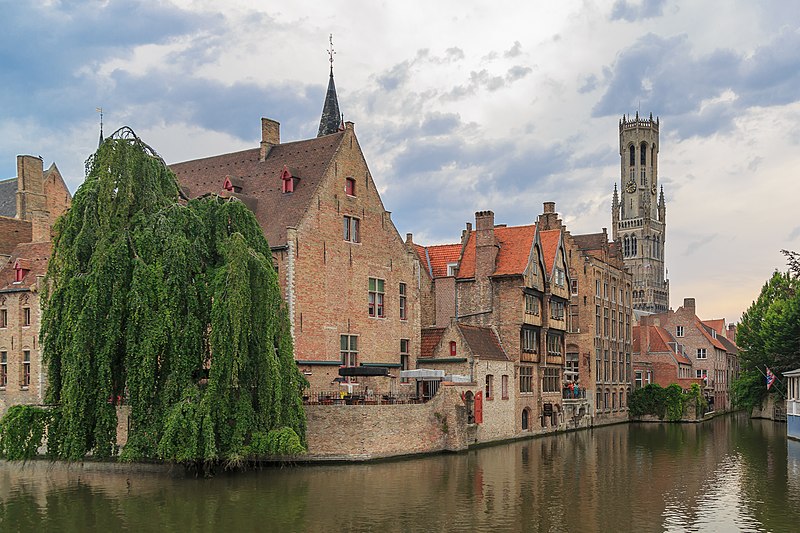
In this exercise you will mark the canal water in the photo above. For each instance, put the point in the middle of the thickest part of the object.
(728, 474)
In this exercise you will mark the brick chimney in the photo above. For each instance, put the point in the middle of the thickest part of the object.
(31, 198)
(485, 244)
(270, 136)
(688, 303)
(549, 218)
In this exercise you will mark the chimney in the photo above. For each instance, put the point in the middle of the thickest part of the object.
(31, 198)
(409, 238)
(270, 136)
(688, 303)
(485, 245)
(549, 218)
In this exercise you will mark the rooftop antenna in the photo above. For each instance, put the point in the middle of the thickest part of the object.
(331, 52)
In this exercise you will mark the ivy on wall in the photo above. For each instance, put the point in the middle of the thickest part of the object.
(667, 403)
(172, 307)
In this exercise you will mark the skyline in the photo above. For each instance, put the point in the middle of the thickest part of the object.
(503, 109)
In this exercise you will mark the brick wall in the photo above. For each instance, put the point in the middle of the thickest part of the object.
(15, 339)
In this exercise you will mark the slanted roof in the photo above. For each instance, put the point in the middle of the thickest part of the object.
(706, 331)
(431, 337)
(8, 198)
(12, 232)
(550, 239)
(436, 258)
(483, 342)
(718, 325)
(514, 248)
(260, 180)
(32, 256)
(660, 342)
(591, 241)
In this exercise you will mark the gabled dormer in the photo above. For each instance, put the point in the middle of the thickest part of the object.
(21, 269)
(289, 179)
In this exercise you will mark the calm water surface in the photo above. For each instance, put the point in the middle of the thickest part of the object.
(730, 474)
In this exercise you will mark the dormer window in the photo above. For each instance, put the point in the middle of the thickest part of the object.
(289, 180)
(350, 186)
(19, 271)
(232, 184)
(453, 348)
(452, 268)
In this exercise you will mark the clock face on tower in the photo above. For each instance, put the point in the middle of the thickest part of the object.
(631, 186)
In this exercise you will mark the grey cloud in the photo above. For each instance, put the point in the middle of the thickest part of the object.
(517, 72)
(795, 233)
(630, 11)
(440, 123)
(514, 51)
(697, 244)
(454, 54)
(755, 163)
(589, 84)
(395, 77)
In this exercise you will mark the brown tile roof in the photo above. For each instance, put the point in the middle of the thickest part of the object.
(32, 256)
(12, 232)
(550, 239)
(515, 245)
(431, 337)
(718, 325)
(260, 180)
(590, 241)
(483, 342)
(706, 331)
(435, 258)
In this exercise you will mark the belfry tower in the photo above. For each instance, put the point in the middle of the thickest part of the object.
(639, 214)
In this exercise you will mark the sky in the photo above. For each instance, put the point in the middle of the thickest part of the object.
(459, 106)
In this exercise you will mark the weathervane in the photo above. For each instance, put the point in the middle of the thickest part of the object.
(331, 52)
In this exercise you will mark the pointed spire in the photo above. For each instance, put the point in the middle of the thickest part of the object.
(100, 110)
(331, 116)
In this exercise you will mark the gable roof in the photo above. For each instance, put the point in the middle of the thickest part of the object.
(260, 180)
(718, 325)
(514, 248)
(706, 331)
(550, 239)
(660, 342)
(8, 198)
(32, 256)
(436, 258)
(483, 342)
(591, 241)
(431, 337)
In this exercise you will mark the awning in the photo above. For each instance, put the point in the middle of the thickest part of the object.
(422, 373)
(457, 378)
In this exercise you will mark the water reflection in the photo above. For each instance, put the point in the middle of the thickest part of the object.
(726, 475)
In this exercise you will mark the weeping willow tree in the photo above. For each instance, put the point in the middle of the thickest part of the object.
(172, 306)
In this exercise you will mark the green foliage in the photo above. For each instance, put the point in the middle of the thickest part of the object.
(769, 334)
(668, 403)
(173, 306)
(22, 431)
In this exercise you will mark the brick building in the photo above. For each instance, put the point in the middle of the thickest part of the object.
(659, 358)
(29, 205)
(348, 279)
(714, 358)
(599, 343)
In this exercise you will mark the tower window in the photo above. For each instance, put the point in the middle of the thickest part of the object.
(632, 154)
(643, 178)
(643, 154)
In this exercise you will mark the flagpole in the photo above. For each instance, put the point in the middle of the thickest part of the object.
(776, 379)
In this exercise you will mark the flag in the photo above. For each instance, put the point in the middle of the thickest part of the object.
(770, 378)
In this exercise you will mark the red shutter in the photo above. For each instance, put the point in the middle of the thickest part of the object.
(479, 408)
(452, 348)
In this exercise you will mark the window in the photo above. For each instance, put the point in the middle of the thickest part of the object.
(376, 297)
(530, 340)
(632, 154)
(605, 400)
(605, 322)
(701, 374)
(26, 368)
(701, 353)
(679, 331)
(550, 381)
(597, 287)
(26, 316)
(571, 366)
(526, 379)
(3, 369)
(643, 179)
(643, 154)
(596, 320)
(556, 310)
(531, 304)
(597, 365)
(350, 187)
(452, 348)
(403, 315)
(404, 358)
(638, 382)
(349, 349)
(559, 277)
(352, 231)
(613, 400)
(504, 386)
(554, 343)
(3, 318)
(605, 291)
(489, 386)
(452, 268)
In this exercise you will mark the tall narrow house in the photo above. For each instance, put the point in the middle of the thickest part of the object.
(639, 213)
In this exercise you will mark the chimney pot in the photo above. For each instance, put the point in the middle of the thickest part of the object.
(549, 207)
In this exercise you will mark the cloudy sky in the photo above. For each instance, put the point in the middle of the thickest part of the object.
(459, 106)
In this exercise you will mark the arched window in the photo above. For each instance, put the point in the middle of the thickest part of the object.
(652, 155)
(632, 150)
(634, 246)
(526, 419)
(627, 247)
(643, 154)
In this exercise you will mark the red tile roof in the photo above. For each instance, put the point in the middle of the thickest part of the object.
(718, 325)
(33, 256)
(436, 258)
(514, 249)
(431, 337)
(660, 342)
(260, 180)
(550, 239)
(483, 342)
(709, 337)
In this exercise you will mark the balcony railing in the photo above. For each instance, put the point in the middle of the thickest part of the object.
(575, 393)
(360, 397)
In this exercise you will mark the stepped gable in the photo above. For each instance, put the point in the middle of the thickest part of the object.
(431, 337)
(483, 342)
(8, 198)
(31, 256)
(514, 248)
(260, 181)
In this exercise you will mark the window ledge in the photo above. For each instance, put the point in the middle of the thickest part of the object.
(24, 387)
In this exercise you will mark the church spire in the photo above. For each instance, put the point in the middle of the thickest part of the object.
(100, 110)
(331, 116)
